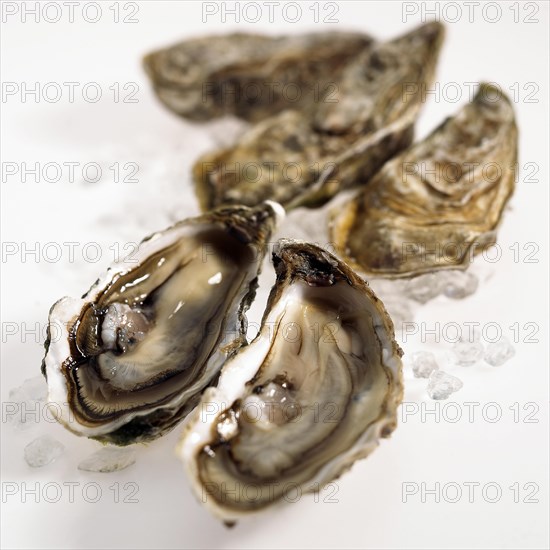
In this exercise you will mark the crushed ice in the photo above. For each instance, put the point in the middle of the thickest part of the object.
(497, 353)
(42, 451)
(24, 406)
(459, 284)
(468, 351)
(423, 364)
(109, 459)
(441, 385)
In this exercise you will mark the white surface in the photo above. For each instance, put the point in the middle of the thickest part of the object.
(369, 512)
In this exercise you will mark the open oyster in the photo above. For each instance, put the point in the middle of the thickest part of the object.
(249, 75)
(311, 394)
(438, 203)
(138, 348)
(303, 158)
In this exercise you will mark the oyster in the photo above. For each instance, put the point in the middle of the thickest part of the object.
(311, 394)
(439, 202)
(303, 158)
(249, 75)
(138, 348)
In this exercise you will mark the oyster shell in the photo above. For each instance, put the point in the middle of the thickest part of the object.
(311, 394)
(303, 158)
(138, 348)
(249, 75)
(439, 202)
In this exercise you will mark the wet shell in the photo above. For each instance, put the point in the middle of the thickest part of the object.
(313, 393)
(130, 358)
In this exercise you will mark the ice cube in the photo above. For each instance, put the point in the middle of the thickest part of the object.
(468, 352)
(25, 403)
(442, 385)
(497, 353)
(108, 459)
(459, 284)
(423, 364)
(32, 389)
(424, 288)
(43, 450)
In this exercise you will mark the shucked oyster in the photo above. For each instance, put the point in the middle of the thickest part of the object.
(136, 351)
(311, 394)
(438, 203)
(249, 75)
(303, 158)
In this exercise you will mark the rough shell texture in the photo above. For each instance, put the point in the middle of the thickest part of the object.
(438, 203)
(304, 157)
(248, 75)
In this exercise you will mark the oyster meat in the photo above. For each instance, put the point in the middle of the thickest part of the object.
(136, 351)
(304, 157)
(439, 202)
(314, 391)
(250, 75)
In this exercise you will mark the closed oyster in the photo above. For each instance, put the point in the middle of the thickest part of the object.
(136, 351)
(303, 158)
(311, 394)
(438, 203)
(249, 75)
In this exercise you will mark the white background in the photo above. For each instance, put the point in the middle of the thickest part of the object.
(369, 511)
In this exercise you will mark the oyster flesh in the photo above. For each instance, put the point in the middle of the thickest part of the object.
(303, 158)
(312, 393)
(250, 75)
(439, 202)
(138, 348)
